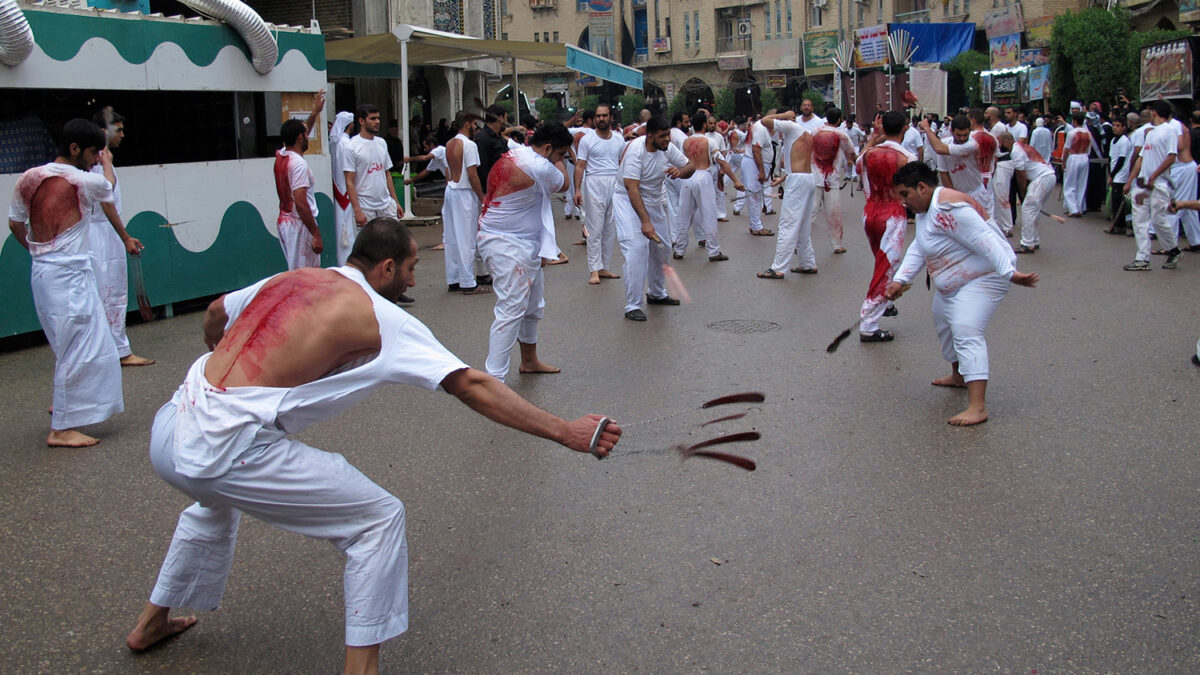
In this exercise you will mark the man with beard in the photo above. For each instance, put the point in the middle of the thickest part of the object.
(595, 179)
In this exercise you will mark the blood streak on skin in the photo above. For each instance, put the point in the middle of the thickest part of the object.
(824, 150)
(505, 178)
(263, 326)
(987, 154)
(696, 149)
(1034, 155)
(55, 202)
(283, 183)
(1081, 143)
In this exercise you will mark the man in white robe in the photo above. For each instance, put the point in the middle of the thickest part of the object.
(460, 209)
(1075, 166)
(55, 200)
(108, 253)
(223, 439)
(971, 267)
(299, 235)
(596, 163)
(343, 215)
(799, 184)
(516, 230)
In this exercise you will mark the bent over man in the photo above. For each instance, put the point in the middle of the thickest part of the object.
(971, 266)
(290, 351)
(55, 200)
(516, 231)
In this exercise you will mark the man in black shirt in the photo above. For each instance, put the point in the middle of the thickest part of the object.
(491, 144)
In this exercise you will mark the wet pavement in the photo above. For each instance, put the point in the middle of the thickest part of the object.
(1060, 536)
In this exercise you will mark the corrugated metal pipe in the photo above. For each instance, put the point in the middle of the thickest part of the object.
(263, 49)
(16, 37)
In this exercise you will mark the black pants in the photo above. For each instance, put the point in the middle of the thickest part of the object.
(1117, 206)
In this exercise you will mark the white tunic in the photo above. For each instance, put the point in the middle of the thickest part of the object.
(214, 424)
(957, 245)
(650, 168)
(603, 155)
(369, 160)
(87, 370)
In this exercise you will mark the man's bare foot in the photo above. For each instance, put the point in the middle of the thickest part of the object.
(594, 278)
(70, 439)
(537, 367)
(952, 380)
(605, 274)
(154, 626)
(969, 417)
(438, 247)
(560, 260)
(135, 360)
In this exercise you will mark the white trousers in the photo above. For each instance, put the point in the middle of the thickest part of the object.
(297, 488)
(735, 163)
(569, 208)
(697, 212)
(644, 259)
(519, 283)
(1184, 178)
(719, 194)
(795, 223)
(888, 250)
(827, 198)
(961, 320)
(297, 243)
(672, 188)
(1075, 183)
(1153, 212)
(1035, 197)
(754, 194)
(347, 232)
(1001, 187)
(598, 217)
(87, 370)
(112, 279)
(460, 224)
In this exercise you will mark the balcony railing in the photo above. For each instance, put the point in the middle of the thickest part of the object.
(919, 16)
(733, 44)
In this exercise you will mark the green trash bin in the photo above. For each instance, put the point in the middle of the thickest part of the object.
(398, 183)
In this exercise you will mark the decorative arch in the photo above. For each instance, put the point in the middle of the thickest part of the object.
(697, 93)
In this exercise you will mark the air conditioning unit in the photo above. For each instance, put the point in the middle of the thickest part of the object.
(744, 28)
(820, 3)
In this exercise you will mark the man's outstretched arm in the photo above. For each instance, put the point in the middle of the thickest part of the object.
(491, 398)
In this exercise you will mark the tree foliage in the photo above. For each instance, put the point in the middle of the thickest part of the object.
(678, 103)
(1095, 53)
(723, 106)
(631, 107)
(768, 100)
(968, 65)
(589, 102)
(817, 98)
(547, 109)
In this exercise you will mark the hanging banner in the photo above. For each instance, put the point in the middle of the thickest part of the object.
(871, 47)
(777, 53)
(1039, 83)
(1005, 51)
(1167, 71)
(601, 28)
(1035, 57)
(1003, 21)
(1038, 31)
(1189, 10)
(776, 80)
(819, 47)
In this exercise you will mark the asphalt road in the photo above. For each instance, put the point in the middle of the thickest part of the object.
(1061, 536)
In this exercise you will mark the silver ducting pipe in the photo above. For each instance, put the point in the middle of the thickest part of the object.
(241, 17)
(16, 37)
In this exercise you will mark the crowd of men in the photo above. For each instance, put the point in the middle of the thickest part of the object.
(306, 344)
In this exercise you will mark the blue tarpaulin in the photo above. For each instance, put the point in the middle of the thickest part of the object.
(937, 42)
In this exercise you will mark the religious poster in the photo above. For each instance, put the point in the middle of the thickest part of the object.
(819, 47)
(1167, 71)
(1035, 57)
(1005, 51)
(1003, 21)
(1037, 31)
(601, 28)
(871, 47)
(1039, 83)
(1189, 11)
(777, 53)
(776, 80)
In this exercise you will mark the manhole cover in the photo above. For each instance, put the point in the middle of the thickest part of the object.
(744, 326)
